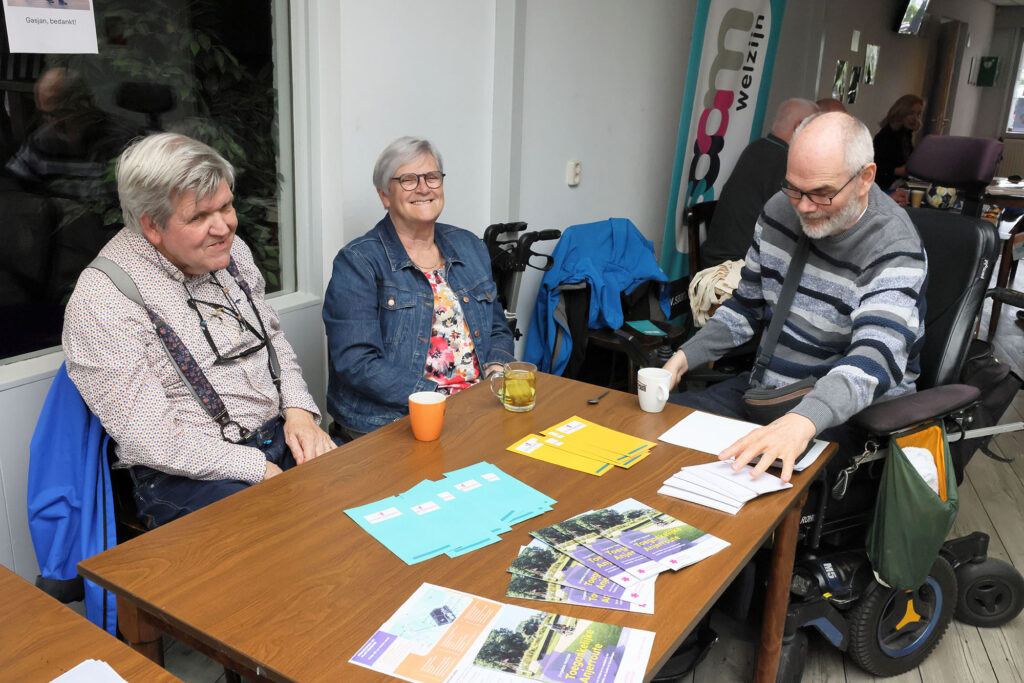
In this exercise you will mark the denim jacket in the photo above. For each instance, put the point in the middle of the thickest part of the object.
(378, 311)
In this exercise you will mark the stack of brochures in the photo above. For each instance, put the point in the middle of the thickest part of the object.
(717, 486)
(466, 510)
(440, 634)
(584, 446)
(607, 558)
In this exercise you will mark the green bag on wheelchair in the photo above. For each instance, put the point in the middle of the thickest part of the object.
(912, 516)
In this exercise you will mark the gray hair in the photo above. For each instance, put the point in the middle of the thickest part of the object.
(858, 146)
(789, 115)
(153, 170)
(400, 152)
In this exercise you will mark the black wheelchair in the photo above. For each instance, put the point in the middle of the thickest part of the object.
(834, 590)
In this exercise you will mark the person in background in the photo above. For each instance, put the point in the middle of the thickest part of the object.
(411, 305)
(179, 248)
(894, 142)
(756, 177)
(827, 104)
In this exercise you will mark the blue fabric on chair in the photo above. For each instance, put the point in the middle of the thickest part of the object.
(612, 258)
(70, 505)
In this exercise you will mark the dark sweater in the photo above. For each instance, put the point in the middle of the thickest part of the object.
(758, 174)
(892, 149)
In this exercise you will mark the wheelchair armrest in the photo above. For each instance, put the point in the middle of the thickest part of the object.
(897, 414)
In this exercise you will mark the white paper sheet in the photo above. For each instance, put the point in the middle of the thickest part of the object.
(58, 27)
(713, 434)
(90, 671)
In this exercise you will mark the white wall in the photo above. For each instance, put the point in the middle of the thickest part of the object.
(422, 69)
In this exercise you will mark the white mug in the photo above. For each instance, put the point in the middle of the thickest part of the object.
(652, 387)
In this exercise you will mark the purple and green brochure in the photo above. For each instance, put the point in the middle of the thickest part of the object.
(638, 565)
(585, 556)
(672, 543)
(529, 588)
(540, 561)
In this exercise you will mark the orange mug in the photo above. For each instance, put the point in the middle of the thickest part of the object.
(426, 412)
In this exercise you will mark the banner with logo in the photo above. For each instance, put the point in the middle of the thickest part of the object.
(727, 82)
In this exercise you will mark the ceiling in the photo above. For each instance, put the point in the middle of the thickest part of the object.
(1007, 3)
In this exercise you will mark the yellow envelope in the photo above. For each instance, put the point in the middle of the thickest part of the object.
(583, 434)
(533, 446)
(603, 454)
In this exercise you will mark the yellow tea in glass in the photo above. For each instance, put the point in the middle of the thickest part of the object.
(515, 385)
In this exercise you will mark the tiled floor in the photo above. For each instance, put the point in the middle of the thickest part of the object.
(987, 654)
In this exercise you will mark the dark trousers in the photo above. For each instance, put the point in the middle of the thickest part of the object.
(162, 497)
(726, 399)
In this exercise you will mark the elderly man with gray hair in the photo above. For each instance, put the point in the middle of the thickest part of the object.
(194, 381)
(853, 332)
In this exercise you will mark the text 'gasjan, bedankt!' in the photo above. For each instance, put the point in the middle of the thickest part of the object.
(37, 20)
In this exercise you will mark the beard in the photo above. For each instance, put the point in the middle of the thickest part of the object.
(819, 224)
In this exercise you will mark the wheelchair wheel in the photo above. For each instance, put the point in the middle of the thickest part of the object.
(990, 593)
(793, 658)
(892, 631)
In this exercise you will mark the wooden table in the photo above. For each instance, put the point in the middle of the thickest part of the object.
(40, 638)
(1010, 196)
(277, 582)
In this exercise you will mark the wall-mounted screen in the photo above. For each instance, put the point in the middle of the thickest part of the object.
(913, 15)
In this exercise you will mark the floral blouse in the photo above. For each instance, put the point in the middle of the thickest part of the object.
(451, 360)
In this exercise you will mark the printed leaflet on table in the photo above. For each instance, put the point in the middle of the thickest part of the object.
(440, 635)
(583, 446)
(465, 510)
(540, 561)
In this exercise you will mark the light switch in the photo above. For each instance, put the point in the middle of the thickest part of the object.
(572, 173)
(855, 42)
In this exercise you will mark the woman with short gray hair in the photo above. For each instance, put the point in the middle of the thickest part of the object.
(411, 305)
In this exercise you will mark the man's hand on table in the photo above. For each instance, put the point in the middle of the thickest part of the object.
(784, 439)
(302, 435)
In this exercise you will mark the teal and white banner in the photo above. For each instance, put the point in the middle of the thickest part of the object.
(727, 83)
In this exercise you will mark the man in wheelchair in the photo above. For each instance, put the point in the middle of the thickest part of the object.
(852, 340)
(853, 332)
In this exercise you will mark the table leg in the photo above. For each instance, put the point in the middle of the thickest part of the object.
(1002, 278)
(138, 632)
(777, 598)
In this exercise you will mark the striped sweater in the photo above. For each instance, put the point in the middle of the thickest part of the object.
(857, 320)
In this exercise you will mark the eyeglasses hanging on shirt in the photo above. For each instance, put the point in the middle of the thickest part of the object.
(220, 311)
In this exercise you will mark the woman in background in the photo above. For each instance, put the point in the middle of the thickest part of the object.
(894, 142)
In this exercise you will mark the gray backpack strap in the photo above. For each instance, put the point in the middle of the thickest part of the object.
(124, 282)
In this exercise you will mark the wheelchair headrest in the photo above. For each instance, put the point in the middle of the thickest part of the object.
(955, 161)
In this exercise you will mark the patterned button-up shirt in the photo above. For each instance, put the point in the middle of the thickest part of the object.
(117, 362)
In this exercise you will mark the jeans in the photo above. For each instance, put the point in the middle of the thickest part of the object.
(161, 497)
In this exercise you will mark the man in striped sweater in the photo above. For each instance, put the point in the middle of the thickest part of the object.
(856, 323)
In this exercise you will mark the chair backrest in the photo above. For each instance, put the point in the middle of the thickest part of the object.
(961, 254)
(698, 218)
(965, 163)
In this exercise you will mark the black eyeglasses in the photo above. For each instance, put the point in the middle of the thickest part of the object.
(217, 310)
(410, 181)
(819, 199)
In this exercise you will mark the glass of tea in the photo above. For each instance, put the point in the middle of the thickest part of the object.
(515, 385)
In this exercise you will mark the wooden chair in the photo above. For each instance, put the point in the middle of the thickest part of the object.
(698, 220)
